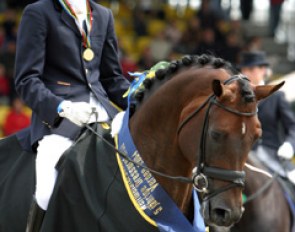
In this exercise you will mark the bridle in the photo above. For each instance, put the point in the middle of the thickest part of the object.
(202, 172)
(200, 176)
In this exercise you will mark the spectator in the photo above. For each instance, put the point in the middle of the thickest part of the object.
(16, 119)
(274, 14)
(4, 86)
(2, 37)
(274, 112)
(146, 60)
(172, 32)
(139, 22)
(9, 24)
(128, 65)
(190, 37)
(246, 7)
(208, 43)
(210, 19)
(231, 50)
(160, 47)
(7, 57)
(236, 27)
(253, 43)
(207, 15)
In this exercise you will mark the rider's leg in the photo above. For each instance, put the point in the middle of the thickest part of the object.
(49, 151)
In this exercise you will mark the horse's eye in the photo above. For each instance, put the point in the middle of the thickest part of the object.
(217, 135)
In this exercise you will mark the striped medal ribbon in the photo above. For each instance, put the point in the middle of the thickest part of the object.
(88, 53)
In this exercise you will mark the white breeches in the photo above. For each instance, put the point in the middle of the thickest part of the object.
(50, 149)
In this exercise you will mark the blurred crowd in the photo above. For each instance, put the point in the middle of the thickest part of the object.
(146, 35)
(13, 113)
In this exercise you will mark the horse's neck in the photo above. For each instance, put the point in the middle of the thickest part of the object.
(154, 130)
(157, 145)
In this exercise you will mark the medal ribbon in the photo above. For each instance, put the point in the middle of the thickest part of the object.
(85, 36)
(149, 198)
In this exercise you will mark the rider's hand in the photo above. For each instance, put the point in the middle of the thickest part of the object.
(77, 112)
(286, 151)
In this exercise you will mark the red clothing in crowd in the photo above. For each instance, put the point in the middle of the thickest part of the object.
(276, 2)
(4, 86)
(15, 121)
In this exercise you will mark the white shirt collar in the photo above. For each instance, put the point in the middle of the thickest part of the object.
(79, 6)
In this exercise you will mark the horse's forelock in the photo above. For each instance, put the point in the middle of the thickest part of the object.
(246, 91)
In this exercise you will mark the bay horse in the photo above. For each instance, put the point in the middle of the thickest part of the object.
(193, 124)
(267, 209)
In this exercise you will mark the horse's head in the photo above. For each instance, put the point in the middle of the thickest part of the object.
(200, 124)
(228, 127)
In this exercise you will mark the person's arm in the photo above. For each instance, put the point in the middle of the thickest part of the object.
(112, 79)
(29, 65)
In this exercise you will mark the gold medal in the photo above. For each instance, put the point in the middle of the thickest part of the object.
(88, 54)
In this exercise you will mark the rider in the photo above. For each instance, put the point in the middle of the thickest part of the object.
(276, 117)
(66, 67)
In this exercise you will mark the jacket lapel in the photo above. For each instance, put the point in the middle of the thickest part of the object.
(66, 18)
(98, 20)
(70, 22)
(95, 18)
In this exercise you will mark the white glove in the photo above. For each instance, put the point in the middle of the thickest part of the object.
(286, 151)
(77, 112)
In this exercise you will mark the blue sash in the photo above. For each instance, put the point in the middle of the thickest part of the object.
(149, 198)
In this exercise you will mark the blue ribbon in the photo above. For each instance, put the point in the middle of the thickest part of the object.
(151, 197)
(138, 79)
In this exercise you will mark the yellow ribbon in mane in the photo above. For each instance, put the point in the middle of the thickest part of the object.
(150, 74)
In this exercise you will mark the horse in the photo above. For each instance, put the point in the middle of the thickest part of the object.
(266, 209)
(193, 124)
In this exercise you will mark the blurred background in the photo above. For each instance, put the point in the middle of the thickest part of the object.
(149, 31)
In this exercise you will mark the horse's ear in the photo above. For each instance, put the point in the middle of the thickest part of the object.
(217, 88)
(263, 91)
(220, 90)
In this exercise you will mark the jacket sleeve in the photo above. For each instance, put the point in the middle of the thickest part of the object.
(112, 78)
(287, 118)
(29, 65)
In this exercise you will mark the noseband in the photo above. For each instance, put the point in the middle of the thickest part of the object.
(202, 172)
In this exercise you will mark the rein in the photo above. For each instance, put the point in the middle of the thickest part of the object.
(125, 156)
(200, 176)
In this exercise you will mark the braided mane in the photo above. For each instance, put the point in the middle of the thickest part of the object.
(174, 67)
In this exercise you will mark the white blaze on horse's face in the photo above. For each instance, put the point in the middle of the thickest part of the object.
(244, 128)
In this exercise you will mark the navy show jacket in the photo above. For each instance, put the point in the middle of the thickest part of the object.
(50, 68)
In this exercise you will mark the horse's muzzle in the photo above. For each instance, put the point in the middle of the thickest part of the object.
(219, 214)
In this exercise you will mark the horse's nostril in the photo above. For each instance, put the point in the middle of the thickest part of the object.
(221, 216)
